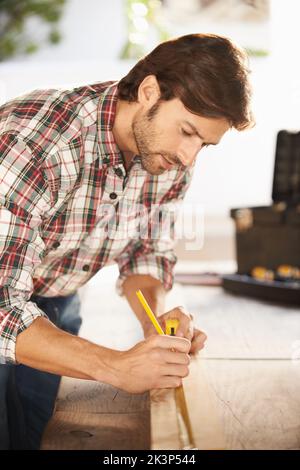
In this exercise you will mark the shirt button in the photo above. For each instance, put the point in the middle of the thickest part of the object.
(86, 267)
(56, 244)
(119, 172)
(113, 196)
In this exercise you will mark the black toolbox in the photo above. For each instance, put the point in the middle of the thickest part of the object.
(269, 236)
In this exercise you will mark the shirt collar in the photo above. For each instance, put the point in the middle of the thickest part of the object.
(109, 151)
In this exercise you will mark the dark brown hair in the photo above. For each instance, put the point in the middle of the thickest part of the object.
(208, 73)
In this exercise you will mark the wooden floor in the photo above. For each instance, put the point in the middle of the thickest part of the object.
(249, 362)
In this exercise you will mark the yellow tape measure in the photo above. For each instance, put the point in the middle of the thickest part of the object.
(171, 326)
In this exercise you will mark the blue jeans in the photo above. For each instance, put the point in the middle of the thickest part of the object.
(27, 396)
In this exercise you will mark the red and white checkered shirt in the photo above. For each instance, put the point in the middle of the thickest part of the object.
(67, 207)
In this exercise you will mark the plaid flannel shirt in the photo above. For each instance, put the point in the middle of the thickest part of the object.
(62, 183)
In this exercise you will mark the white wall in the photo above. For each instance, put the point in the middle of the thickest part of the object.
(91, 30)
(239, 171)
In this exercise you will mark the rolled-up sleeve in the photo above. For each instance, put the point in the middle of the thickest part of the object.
(154, 254)
(23, 199)
(147, 257)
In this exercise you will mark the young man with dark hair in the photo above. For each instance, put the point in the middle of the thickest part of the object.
(72, 161)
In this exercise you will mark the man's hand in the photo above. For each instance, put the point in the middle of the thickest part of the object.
(157, 362)
(148, 365)
(184, 330)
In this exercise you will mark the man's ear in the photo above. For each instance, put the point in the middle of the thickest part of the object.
(148, 91)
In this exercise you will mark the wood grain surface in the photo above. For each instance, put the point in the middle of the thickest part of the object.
(251, 382)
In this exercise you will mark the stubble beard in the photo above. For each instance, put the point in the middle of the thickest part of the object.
(145, 136)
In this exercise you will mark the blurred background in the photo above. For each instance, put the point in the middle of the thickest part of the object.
(63, 43)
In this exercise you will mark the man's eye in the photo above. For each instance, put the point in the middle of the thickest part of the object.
(185, 132)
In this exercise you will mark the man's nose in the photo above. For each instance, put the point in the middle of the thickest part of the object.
(187, 155)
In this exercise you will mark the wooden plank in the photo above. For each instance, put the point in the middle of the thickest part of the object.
(164, 423)
(258, 401)
(239, 327)
(88, 396)
(244, 404)
(97, 431)
(202, 411)
(91, 415)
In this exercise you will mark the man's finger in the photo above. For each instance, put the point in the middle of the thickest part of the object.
(178, 370)
(198, 341)
(173, 357)
(186, 329)
(171, 342)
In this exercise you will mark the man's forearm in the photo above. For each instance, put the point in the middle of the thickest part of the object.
(45, 347)
(153, 291)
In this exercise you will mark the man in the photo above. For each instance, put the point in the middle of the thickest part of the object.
(66, 155)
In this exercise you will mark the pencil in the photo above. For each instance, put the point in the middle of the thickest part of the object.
(179, 392)
(149, 312)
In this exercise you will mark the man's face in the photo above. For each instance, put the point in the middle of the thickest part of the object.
(168, 135)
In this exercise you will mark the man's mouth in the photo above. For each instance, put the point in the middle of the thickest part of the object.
(167, 165)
